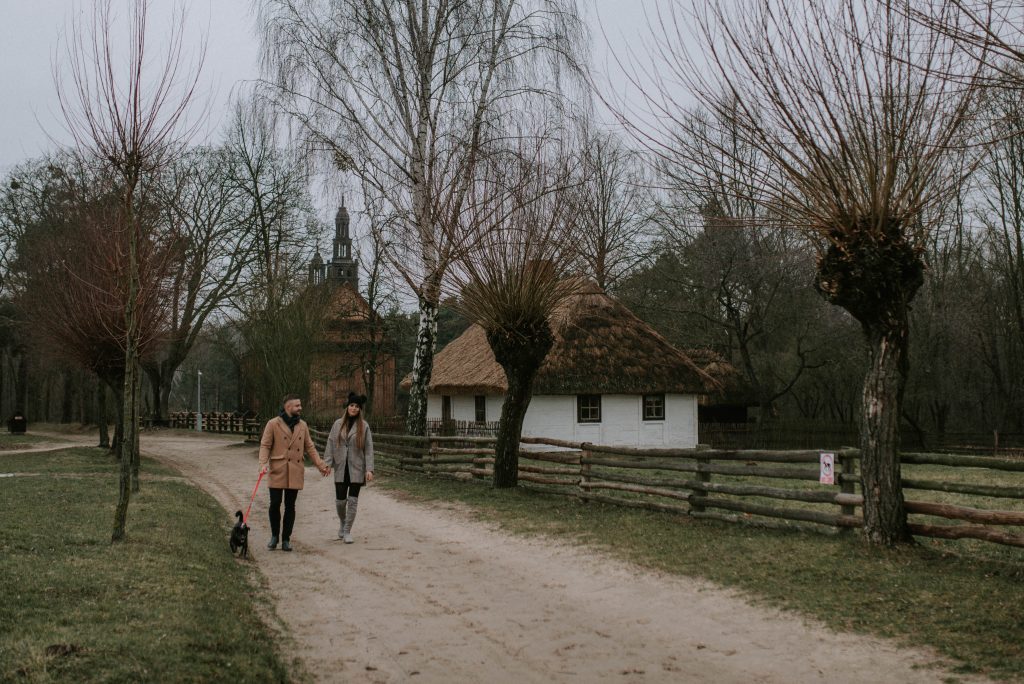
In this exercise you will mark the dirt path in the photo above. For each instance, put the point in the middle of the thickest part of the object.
(427, 596)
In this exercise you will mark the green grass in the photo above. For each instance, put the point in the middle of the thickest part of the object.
(168, 605)
(77, 460)
(967, 607)
(25, 441)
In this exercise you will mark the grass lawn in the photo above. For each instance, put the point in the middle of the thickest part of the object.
(168, 605)
(969, 606)
(13, 442)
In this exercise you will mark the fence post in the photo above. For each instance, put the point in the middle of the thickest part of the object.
(584, 470)
(702, 476)
(847, 480)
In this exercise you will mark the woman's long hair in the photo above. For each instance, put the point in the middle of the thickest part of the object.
(347, 422)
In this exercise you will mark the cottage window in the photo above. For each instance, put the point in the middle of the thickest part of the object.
(446, 408)
(588, 408)
(481, 408)
(654, 407)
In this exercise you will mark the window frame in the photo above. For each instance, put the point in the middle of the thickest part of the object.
(643, 407)
(480, 408)
(589, 419)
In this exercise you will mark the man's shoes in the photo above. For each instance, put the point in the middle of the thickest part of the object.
(272, 544)
(286, 545)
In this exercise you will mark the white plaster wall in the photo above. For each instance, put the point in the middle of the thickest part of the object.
(551, 416)
(680, 421)
(464, 407)
(621, 419)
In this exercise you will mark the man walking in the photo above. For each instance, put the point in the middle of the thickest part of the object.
(285, 439)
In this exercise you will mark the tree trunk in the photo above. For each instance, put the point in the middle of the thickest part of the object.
(128, 440)
(101, 412)
(520, 355)
(129, 473)
(21, 385)
(885, 517)
(422, 368)
(873, 270)
(116, 447)
(163, 406)
(510, 430)
(135, 450)
(154, 374)
(67, 400)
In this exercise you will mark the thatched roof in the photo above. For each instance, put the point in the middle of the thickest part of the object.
(733, 388)
(600, 347)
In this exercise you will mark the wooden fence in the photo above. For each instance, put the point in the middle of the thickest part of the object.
(225, 422)
(790, 434)
(768, 488)
(981, 521)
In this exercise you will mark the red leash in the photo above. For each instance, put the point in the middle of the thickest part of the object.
(252, 498)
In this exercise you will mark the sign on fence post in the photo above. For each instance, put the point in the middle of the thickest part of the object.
(827, 474)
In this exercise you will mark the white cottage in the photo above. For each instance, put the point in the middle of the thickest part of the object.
(609, 379)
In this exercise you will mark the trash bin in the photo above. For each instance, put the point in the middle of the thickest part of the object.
(17, 425)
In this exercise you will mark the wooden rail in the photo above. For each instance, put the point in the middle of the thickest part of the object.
(224, 422)
(768, 488)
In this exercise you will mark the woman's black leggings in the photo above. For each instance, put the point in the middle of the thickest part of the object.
(289, 511)
(343, 490)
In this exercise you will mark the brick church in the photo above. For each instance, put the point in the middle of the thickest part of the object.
(353, 354)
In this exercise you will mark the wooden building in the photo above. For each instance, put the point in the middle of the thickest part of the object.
(353, 354)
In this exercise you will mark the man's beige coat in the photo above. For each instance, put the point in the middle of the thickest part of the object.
(283, 449)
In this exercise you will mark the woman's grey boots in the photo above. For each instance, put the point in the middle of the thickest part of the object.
(350, 517)
(339, 505)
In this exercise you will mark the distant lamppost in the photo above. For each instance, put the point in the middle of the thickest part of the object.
(199, 398)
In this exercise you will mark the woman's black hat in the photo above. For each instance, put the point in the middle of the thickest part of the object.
(354, 398)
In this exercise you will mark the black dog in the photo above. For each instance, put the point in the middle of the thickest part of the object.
(240, 537)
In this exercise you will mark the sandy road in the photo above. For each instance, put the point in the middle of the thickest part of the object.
(426, 595)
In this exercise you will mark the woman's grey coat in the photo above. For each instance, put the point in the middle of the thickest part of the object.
(359, 460)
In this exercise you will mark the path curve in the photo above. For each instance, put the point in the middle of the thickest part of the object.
(426, 595)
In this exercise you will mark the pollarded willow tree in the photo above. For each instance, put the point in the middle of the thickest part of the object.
(522, 214)
(991, 32)
(863, 115)
(406, 96)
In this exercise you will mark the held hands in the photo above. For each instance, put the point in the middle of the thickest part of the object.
(324, 469)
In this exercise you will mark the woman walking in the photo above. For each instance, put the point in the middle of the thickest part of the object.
(350, 452)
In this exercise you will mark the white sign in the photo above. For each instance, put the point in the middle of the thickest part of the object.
(828, 468)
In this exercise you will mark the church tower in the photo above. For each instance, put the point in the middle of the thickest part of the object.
(343, 266)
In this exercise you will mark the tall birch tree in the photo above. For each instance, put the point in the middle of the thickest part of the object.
(406, 96)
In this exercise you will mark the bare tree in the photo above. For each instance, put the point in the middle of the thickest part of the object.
(382, 297)
(746, 272)
(201, 204)
(516, 277)
(279, 321)
(277, 212)
(615, 206)
(990, 32)
(861, 115)
(405, 96)
(69, 275)
(126, 116)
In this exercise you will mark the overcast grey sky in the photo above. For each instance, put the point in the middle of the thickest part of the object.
(30, 37)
